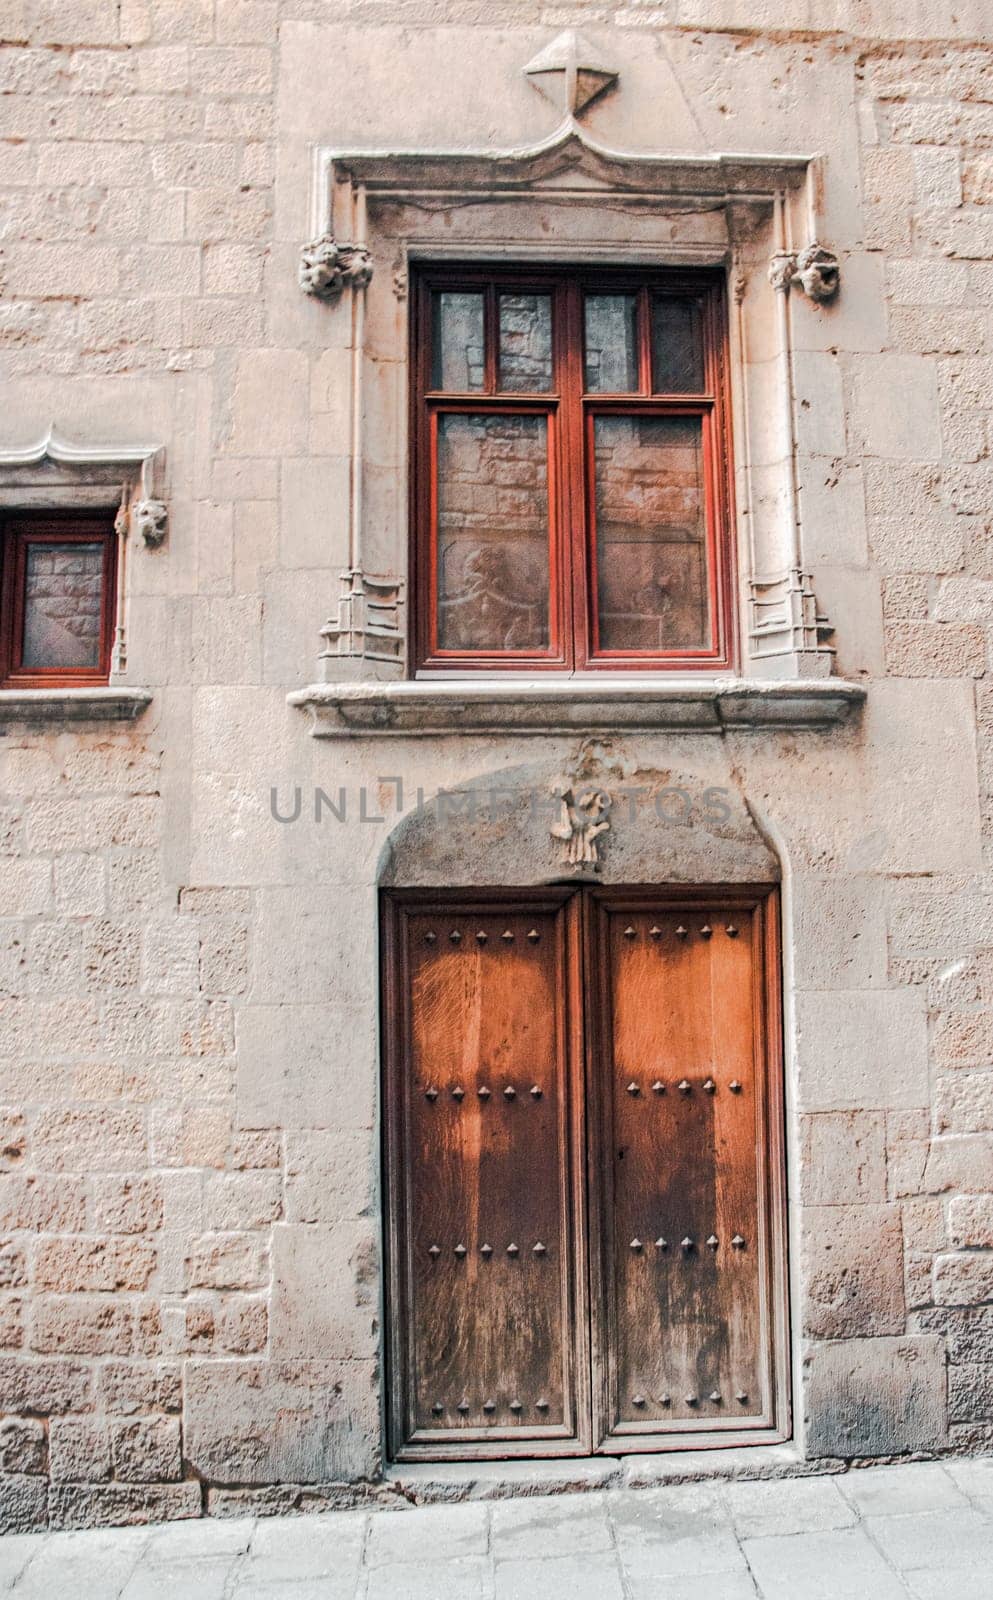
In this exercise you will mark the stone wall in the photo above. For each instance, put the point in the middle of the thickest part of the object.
(189, 1271)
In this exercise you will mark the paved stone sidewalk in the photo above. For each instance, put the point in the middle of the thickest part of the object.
(923, 1531)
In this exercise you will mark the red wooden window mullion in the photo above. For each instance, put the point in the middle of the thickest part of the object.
(573, 599)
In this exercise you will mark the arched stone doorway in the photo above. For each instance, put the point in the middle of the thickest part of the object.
(582, 1095)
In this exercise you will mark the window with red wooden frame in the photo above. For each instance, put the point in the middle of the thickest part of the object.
(57, 590)
(571, 488)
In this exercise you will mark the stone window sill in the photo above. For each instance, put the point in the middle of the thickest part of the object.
(57, 707)
(571, 705)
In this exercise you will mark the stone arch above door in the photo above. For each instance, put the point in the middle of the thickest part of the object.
(519, 825)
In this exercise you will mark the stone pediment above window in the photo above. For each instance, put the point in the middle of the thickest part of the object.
(572, 201)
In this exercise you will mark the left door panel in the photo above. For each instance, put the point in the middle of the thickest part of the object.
(487, 1320)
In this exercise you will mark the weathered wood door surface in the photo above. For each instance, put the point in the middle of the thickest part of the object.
(584, 1172)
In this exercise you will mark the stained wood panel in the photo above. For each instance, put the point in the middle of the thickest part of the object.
(488, 1315)
(569, 1054)
(689, 1315)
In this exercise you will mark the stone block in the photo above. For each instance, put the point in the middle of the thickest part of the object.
(170, 955)
(23, 1447)
(300, 951)
(970, 1392)
(298, 1066)
(44, 1388)
(960, 1163)
(852, 1271)
(256, 1422)
(865, 1051)
(13, 1139)
(313, 520)
(970, 1221)
(920, 826)
(256, 1150)
(330, 1176)
(969, 1332)
(79, 1450)
(935, 650)
(246, 21)
(23, 1503)
(79, 1264)
(270, 399)
(127, 1204)
(963, 1039)
(13, 1265)
(325, 1298)
(84, 1325)
(126, 1387)
(242, 1325)
(25, 886)
(964, 1104)
(80, 885)
(235, 1200)
(227, 1261)
(895, 413)
(121, 1505)
(875, 1397)
(839, 933)
(146, 1450)
(963, 1279)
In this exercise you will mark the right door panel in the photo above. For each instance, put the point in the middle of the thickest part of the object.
(686, 1162)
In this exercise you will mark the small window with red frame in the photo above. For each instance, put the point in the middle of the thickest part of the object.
(57, 586)
(571, 497)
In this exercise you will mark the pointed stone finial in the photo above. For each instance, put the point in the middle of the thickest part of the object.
(570, 72)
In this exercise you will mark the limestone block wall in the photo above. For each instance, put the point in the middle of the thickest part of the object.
(190, 1292)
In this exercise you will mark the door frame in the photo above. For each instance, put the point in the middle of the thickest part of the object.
(584, 1034)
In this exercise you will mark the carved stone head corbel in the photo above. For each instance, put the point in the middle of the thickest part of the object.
(148, 519)
(326, 266)
(817, 271)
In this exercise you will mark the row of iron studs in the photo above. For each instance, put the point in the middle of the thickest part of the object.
(709, 1086)
(533, 936)
(687, 1245)
(715, 1397)
(463, 1407)
(489, 1406)
(486, 1250)
(539, 1249)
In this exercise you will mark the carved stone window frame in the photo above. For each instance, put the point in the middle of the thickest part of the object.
(376, 212)
(56, 473)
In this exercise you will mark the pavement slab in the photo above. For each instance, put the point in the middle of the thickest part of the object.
(917, 1531)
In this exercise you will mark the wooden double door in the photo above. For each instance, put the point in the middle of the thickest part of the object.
(584, 1172)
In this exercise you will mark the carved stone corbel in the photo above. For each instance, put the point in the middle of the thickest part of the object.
(148, 518)
(328, 265)
(813, 269)
(817, 272)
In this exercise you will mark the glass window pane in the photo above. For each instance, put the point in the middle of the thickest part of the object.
(677, 347)
(525, 343)
(611, 344)
(62, 605)
(458, 348)
(651, 534)
(493, 570)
